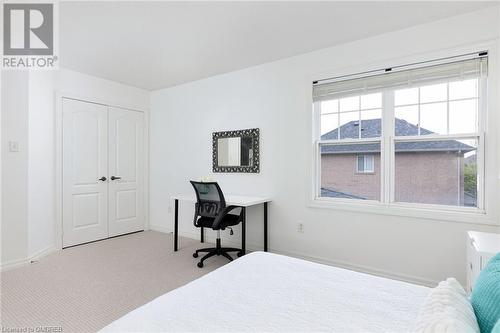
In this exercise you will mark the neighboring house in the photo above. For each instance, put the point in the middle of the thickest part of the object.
(426, 171)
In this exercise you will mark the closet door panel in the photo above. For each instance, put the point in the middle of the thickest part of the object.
(126, 170)
(85, 162)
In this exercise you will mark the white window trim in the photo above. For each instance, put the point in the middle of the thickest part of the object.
(387, 206)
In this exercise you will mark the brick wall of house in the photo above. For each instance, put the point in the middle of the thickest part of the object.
(430, 177)
(339, 172)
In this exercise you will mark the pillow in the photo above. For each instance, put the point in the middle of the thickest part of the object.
(486, 295)
(447, 309)
(496, 329)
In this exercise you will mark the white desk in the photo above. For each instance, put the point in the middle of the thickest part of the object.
(235, 200)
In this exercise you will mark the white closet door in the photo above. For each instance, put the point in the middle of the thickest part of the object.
(85, 162)
(126, 171)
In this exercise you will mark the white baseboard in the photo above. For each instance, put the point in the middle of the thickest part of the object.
(8, 265)
(42, 253)
(362, 269)
(208, 238)
(26, 261)
(160, 228)
(325, 261)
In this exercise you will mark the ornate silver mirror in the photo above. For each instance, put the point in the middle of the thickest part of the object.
(236, 151)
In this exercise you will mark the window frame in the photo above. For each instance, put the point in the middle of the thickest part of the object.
(387, 164)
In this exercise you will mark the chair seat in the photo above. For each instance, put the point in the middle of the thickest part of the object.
(227, 221)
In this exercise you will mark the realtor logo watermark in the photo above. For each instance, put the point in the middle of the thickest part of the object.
(29, 36)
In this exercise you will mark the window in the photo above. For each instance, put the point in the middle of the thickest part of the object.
(444, 108)
(350, 127)
(365, 163)
(415, 134)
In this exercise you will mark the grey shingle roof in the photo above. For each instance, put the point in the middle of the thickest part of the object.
(372, 128)
(331, 193)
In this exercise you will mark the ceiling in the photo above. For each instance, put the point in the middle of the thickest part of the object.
(153, 45)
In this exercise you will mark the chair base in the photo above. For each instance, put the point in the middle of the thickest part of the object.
(218, 250)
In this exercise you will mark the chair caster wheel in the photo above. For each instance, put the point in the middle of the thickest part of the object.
(195, 255)
(239, 254)
(200, 264)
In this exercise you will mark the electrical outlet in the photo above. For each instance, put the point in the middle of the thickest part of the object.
(169, 209)
(300, 228)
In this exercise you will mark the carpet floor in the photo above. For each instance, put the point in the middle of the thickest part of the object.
(84, 288)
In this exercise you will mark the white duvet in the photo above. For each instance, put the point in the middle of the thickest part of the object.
(264, 292)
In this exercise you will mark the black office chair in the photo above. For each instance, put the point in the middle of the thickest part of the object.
(211, 212)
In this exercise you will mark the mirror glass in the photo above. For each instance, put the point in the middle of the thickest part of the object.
(236, 151)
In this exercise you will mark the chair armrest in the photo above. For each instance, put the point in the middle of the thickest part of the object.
(219, 217)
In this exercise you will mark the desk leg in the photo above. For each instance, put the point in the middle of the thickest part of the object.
(265, 226)
(176, 224)
(202, 235)
(243, 230)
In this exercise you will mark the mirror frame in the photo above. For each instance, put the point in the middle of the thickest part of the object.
(254, 133)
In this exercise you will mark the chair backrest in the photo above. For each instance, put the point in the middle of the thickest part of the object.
(210, 199)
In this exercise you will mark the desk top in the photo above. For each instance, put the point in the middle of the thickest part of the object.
(236, 200)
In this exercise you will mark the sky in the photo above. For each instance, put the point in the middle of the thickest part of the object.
(446, 108)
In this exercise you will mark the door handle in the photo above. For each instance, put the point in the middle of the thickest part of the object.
(103, 179)
(113, 177)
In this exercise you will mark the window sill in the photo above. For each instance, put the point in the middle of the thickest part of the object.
(427, 212)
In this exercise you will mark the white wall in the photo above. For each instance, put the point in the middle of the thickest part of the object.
(14, 164)
(276, 97)
(41, 162)
(33, 233)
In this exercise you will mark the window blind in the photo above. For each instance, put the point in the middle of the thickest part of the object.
(401, 78)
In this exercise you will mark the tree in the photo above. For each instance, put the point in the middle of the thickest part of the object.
(470, 178)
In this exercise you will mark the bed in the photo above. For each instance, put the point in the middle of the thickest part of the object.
(265, 292)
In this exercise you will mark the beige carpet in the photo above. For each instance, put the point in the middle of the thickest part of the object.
(84, 288)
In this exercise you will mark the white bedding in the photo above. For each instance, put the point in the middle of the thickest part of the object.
(264, 292)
